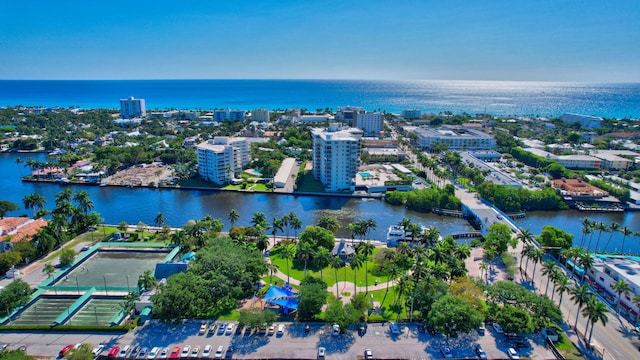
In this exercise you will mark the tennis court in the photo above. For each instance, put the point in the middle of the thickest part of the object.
(98, 311)
(44, 310)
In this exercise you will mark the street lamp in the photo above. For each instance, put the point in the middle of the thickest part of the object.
(128, 288)
(77, 285)
(105, 284)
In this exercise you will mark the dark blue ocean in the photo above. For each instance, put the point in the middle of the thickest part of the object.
(502, 98)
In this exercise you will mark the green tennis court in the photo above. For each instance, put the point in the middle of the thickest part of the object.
(98, 311)
(44, 310)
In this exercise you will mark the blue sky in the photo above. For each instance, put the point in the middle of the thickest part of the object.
(546, 40)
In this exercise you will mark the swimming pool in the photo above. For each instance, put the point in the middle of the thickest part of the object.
(365, 174)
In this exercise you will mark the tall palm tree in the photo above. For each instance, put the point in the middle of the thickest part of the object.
(159, 220)
(85, 204)
(555, 275)
(536, 257)
(562, 286)
(592, 230)
(580, 294)
(356, 262)
(330, 223)
(595, 311)
(548, 267)
(614, 227)
(19, 161)
(33, 201)
(276, 225)
(586, 229)
(430, 236)
(233, 216)
(336, 263)
(371, 225)
(601, 227)
(403, 286)
(49, 269)
(322, 258)
(288, 252)
(392, 273)
(484, 267)
(366, 249)
(259, 218)
(625, 232)
(304, 253)
(527, 251)
(636, 300)
(437, 254)
(526, 236)
(587, 261)
(146, 281)
(296, 224)
(621, 287)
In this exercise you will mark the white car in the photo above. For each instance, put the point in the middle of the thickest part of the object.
(497, 328)
(97, 350)
(195, 352)
(335, 330)
(321, 352)
(153, 353)
(280, 329)
(230, 329)
(203, 329)
(219, 352)
(164, 353)
(368, 354)
(513, 354)
(207, 351)
(185, 351)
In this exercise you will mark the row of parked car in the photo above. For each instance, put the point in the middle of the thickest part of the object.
(140, 352)
(223, 328)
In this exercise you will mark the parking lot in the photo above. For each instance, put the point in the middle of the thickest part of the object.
(293, 343)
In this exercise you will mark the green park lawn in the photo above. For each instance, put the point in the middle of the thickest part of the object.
(296, 271)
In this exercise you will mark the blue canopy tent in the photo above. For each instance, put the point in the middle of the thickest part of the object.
(283, 297)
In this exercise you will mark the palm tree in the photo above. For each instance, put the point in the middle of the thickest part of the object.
(370, 225)
(288, 252)
(601, 227)
(304, 253)
(262, 243)
(356, 262)
(233, 216)
(330, 223)
(621, 287)
(461, 252)
(527, 252)
(548, 267)
(259, 218)
(437, 254)
(296, 224)
(555, 275)
(595, 312)
(562, 286)
(276, 225)
(536, 257)
(392, 273)
(159, 220)
(526, 236)
(579, 295)
(336, 263)
(625, 232)
(430, 236)
(484, 267)
(403, 287)
(636, 301)
(586, 229)
(18, 162)
(366, 249)
(146, 281)
(613, 228)
(49, 269)
(322, 258)
(587, 261)
(84, 202)
(33, 201)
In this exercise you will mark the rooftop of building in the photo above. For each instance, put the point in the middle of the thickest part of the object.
(452, 132)
(19, 228)
(624, 266)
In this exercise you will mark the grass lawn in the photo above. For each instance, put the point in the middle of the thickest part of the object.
(387, 301)
(309, 184)
(296, 271)
(567, 349)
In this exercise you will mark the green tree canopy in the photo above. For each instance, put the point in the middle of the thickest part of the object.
(7, 206)
(15, 294)
(312, 296)
(452, 315)
(514, 320)
(554, 237)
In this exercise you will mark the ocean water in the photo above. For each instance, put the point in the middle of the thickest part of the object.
(503, 98)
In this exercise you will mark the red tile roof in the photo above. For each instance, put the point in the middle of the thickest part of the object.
(20, 228)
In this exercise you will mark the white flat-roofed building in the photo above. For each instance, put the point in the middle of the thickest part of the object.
(284, 172)
(335, 156)
(610, 269)
(260, 115)
(586, 121)
(613, 162)
(455, 138)
(220, 158)
(579, 162)
(132, 108)
(370, 123)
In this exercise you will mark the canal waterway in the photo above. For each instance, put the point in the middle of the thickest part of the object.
(117, 204)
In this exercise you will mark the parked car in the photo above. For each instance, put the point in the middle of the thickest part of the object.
(65, 350)
(207, 351)
(230, 329)
(230, 350)
(368, 354)
(195, 352)
(143, 353)
(513, 354)
(497, 328)
(280, 329)
(164, 353)
(321, 352)
(212, 328)
(185, 351)
(395, 329)
(134, 352)
(221, 328)
(481, 330)
(113, 352)
(272, 329)
(335, 330)
(124, 351)
(98, 350)
(480, 352)
(446, 352)
(219, 352)
(203, 329)
(239, 330)
(362, 329)
(153, 353)
(307, 329)
(175, 353)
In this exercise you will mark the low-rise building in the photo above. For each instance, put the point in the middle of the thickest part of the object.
(284, 172)
(578, 189)
(607, 270)
(586, 121)
(17, 229)
(454, 138)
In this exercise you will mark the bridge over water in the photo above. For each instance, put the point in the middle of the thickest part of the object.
(485, 213)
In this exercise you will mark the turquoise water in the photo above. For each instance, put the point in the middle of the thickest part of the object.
(253, 172)
(494, 97)
(365, 174)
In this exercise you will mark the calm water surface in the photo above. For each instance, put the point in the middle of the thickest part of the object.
(179, 206)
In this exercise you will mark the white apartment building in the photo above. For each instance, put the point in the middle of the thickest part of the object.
(221, 158)
(455, 138)
(586, 121)
(335, 156)
(132, 108)
(370, 123)
(610, 269)
(260, 115)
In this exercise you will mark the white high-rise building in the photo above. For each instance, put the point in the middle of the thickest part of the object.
(260, 115)
(370, 123)
(221, 158)
(335, 156)
(132, 107)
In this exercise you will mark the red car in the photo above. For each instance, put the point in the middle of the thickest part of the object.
(113, 352)
(65, 350)
(175, 353)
